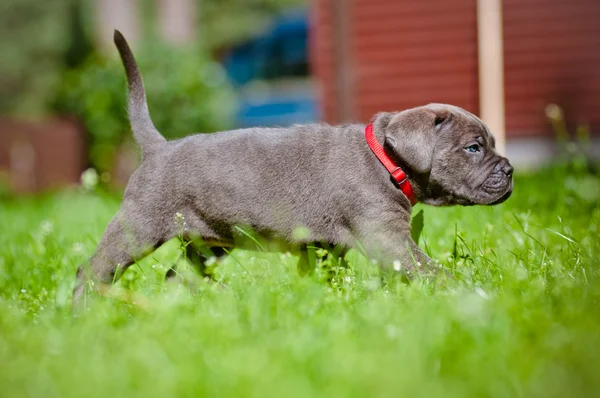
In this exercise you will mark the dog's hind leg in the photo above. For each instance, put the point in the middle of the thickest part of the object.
(307, 259)
(201, 258)
(127, 238)
(307, 256)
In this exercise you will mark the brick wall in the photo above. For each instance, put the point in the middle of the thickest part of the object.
(404, 53)
(42, 155)
(551, 55)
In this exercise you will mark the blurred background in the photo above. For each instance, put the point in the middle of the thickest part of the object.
(529, 68)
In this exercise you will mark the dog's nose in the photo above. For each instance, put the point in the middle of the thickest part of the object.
(506, 167)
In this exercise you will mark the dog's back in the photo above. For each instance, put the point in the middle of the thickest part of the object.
(253, 177)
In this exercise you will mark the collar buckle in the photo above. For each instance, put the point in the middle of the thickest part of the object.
(399, 176)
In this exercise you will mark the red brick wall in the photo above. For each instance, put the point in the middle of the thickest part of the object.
(408, 53)
(551, 55)
(405, 53)
(42, 155)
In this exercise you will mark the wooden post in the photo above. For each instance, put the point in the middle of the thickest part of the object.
(342, 61)
(177, 19)
(491, 68)
(116, 14)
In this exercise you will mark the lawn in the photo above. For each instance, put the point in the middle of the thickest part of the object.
(520, 319)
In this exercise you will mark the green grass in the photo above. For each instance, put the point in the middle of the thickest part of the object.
(521, 319)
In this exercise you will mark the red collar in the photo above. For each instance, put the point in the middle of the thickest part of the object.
(398, 175)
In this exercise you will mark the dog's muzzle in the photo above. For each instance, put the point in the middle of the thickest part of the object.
(498, 185)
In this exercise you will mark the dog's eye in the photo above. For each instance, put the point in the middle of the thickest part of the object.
(472, 148)
(439, 120)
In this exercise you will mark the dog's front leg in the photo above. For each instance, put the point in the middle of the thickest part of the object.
(393, 249)
(307, 255)
(400, 254)
(128, 237)
(200, 257)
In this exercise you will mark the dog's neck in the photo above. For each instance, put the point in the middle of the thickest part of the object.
(419, 182)
(401, 178)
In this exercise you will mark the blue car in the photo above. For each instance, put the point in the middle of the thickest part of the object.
(271, 75)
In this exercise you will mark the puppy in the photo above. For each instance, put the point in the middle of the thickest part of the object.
(337, 186)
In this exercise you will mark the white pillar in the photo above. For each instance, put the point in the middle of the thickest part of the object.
(491, 68)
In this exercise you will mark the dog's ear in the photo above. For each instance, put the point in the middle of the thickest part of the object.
(410, 135)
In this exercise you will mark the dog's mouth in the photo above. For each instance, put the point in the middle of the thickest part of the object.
(495, 189)
(498, 188)
(503, 198)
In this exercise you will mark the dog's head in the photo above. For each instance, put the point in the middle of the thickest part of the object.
(449, 153)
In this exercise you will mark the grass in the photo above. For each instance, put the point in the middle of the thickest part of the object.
(521, 319)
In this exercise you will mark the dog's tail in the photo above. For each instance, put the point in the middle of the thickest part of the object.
(143, 129)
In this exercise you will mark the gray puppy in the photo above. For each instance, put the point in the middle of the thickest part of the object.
(299, 185)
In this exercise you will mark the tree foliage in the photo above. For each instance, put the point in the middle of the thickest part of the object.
(187, 92)
(33, 45)
(42, 40)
